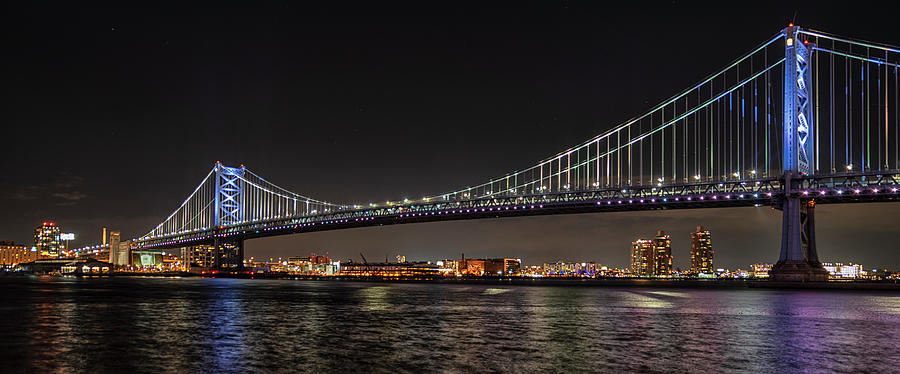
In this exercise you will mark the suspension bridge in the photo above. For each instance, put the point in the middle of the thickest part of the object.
(804, 118)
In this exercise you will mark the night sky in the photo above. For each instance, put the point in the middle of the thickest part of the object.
(112, 115)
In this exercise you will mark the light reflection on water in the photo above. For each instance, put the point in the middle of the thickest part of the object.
(224, 325)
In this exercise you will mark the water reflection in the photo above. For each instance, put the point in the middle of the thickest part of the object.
(222, 325)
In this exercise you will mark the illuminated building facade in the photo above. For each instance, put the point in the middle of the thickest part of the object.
(652, 258)
(200, 256)
(701, 252)
(390, 269)
(47, 241)
(574, 269)
(760, 270)
(641, 257)
(512, 266)
(662, 256)
(312, 259)
(114, 240)
(489, 266)
(12, 254)
(839, 270)
(469, 266)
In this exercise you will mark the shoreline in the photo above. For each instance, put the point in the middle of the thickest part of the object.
(886, 285)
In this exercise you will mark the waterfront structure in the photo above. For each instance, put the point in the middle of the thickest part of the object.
(641, 257)
(12, 254)
(701, 252)
(573, 269)
(86, 267)
(47, 241)
(840, 270)
(760, 270)
(80, 266)
(311, 265)
(390, 269)
(488, 266)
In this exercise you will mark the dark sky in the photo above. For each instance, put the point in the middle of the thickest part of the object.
(111, 115)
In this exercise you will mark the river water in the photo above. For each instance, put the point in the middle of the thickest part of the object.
(135, 325)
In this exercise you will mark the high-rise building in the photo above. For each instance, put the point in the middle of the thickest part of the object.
(123, 253)
(114, 240)
(701, 252)
(46, 239)
(641, 257)
(662, 255)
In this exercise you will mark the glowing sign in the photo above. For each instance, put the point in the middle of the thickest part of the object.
(67, 236)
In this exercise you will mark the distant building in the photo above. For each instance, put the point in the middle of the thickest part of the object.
(662, 255)
(760, 270)
(12, 254)
(390, 269)
(652, 258)
(641, 257)
(200, 256)
(701, 252)
(86, 267)
(66, 266)
(46, 239)
(488, 266)
(573, 269)
(844, 271)
(114, 241)
(512, 266)
(123, 253)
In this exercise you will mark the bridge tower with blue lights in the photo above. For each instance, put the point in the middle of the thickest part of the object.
(799, 260)
(229, 210)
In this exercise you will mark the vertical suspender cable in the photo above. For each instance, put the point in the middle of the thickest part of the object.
(831, 107)
(816, 88)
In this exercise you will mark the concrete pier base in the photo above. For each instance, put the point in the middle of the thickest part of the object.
(798, 271)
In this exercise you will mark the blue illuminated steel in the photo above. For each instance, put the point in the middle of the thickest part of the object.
(799, 259)
(798, 114)
(229, 194)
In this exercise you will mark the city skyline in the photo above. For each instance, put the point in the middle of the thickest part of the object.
(132, 192)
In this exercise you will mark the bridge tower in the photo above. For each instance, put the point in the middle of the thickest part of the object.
(229, 209)
(798, 260)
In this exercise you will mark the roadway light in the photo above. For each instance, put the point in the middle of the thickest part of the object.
(736, 174)
(697, 177)
(753, 172)
(850, 167)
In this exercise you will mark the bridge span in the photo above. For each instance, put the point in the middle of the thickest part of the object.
(804, 118)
